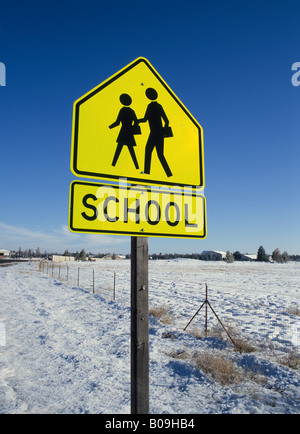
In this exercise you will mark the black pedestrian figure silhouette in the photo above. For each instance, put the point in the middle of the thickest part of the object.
(129, 121)
(154, 115)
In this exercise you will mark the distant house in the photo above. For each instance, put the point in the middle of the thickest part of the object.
(247, 257)
(112, 256)
(4, 253)
(61, 258)
(213, 255)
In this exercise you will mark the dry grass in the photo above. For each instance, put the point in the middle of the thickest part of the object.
(244, 346)
(179, 354)
(221, 368)
(294, 310)
(291, 360)
(241, 345)
(215, 332)
(162, 313)
(218, 366)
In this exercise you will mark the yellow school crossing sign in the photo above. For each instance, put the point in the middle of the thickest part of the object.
(133, 126)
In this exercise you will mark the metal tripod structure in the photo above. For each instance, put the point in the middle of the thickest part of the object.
(207, 303)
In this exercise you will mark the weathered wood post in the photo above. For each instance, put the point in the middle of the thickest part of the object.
(139, 326)
(114, 285)
(206, 300)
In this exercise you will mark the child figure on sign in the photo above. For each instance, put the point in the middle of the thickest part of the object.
(129, 121)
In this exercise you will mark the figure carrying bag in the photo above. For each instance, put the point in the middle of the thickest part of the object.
(168, 131)
(136, 129)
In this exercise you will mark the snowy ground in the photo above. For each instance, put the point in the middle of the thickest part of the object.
(64, 349)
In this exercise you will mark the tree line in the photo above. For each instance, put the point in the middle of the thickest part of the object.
(262, 256)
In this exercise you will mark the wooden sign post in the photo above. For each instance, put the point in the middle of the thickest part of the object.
(139, 326)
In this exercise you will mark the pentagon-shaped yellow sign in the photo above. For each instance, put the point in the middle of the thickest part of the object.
(133, 126)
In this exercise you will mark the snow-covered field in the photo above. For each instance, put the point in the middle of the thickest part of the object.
(64, 349)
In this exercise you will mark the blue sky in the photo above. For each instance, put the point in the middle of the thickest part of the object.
(229, 63)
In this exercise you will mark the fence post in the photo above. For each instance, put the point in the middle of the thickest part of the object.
(78, 278)
(93, 281)
(114, 285)
(206, 299)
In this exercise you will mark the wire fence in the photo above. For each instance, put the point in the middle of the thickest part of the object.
(89, 278)
(113, 283)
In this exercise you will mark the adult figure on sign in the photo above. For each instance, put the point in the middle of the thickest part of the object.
(129, 128)
(154, 115)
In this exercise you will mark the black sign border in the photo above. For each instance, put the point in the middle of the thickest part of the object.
(139, 180)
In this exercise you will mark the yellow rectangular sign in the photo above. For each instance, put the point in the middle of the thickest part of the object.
(123, 209)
